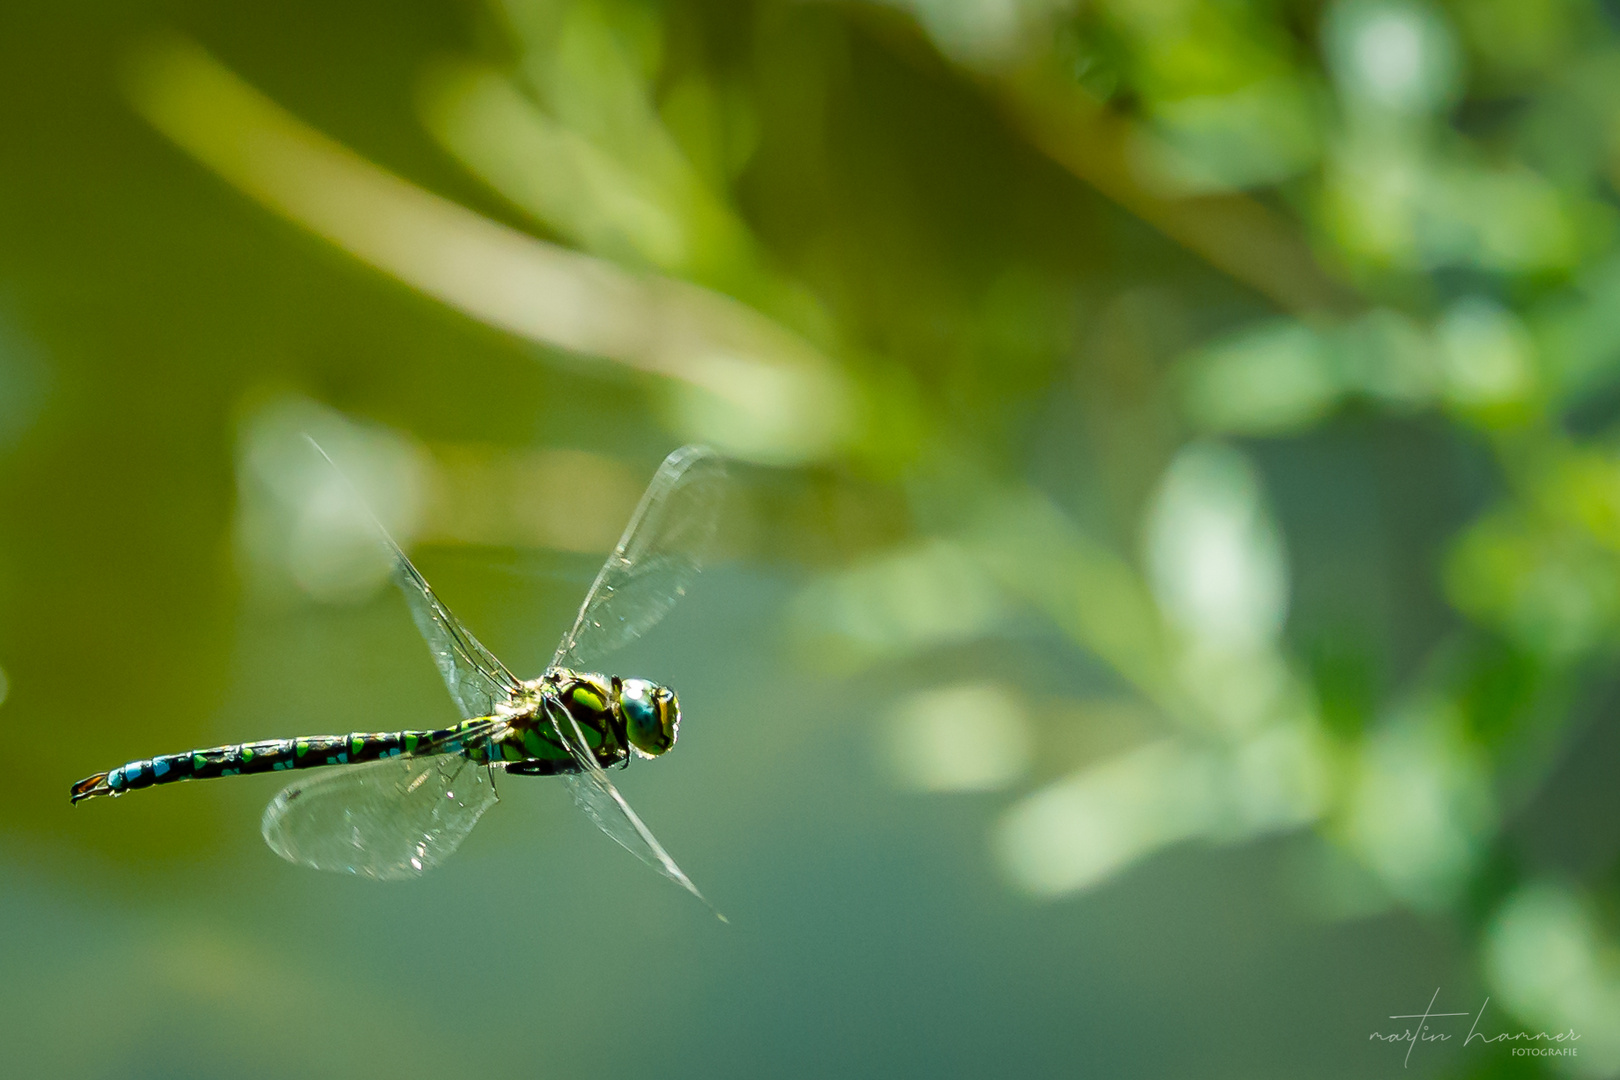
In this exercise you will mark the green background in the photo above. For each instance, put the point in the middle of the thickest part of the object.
(1226, 390)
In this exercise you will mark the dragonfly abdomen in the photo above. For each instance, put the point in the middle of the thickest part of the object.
(257, 757)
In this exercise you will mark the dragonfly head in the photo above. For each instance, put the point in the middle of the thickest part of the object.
(652, 716)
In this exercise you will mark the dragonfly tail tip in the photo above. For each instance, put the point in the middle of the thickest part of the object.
(90, 787)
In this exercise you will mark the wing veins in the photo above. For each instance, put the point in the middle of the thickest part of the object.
(594, 776)
(460, 640)
(622, 567)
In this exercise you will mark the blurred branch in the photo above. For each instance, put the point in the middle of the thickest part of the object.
(1232, 232)
(655, 210)
(763, 392)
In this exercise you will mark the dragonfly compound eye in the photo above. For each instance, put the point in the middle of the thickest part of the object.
(650, 716)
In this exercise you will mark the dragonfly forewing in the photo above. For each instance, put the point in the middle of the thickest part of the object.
(594, 793)
(662, 550)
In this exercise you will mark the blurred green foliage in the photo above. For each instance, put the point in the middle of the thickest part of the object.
(1224, 391)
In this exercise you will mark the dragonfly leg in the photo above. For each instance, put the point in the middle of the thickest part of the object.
(542, 767)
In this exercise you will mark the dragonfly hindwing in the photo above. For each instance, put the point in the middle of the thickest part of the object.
(388, 820)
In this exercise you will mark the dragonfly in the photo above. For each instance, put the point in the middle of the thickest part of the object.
(393, 805)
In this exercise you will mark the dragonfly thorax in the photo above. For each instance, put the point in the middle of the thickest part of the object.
(634, 713)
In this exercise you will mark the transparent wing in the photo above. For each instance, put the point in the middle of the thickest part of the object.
(595, 794)
(477, 681)
(662, 549)
(389, 820)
